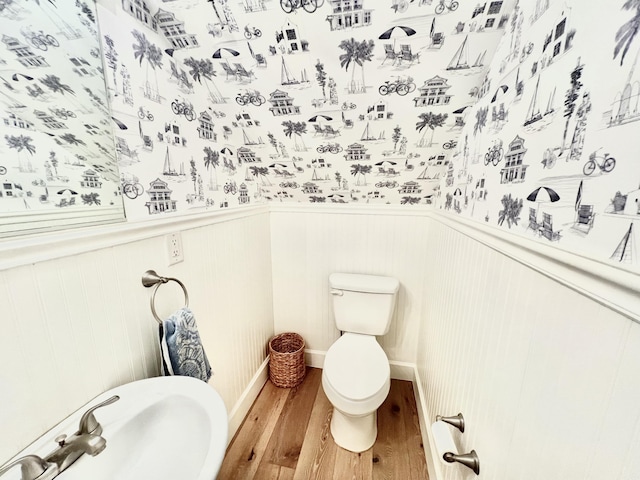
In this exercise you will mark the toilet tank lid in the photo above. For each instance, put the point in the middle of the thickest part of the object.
(355, 282)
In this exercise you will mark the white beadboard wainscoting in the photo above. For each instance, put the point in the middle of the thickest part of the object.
(545, 370)
(538, 348)
(308, 244)
(75, 326)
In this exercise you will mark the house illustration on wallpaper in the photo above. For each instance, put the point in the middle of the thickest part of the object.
(557, 40)
(163, 20)
(247, 155)
(356, 152)
(348, 13)
(433, 93)
(173, 30)
(488, 15)
(310, 188)
(282, 104)
(379, 111)
(514, 170)
(49, 121)
(82, 67)
(288, 39)
(14, 121)
(410, 187)
(90, 179)
(160, 198)
(23, 52)
(243, 194)
(139, 9)
(205, 127)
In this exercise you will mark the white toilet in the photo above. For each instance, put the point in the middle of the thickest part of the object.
(356, 374)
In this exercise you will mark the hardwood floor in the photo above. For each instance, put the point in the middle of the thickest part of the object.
(286, 436)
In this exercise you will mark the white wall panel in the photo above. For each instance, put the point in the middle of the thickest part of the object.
(309, 244)
(75, 326)
(543, 374)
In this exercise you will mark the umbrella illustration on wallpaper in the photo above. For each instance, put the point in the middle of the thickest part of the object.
(395, 32)
(316, 118)
(543, 195)
(16, 79)
(501, 89)
(121, 125)
(225, 52)
(226, 151)
(579, 196)
(383, 162)
(319, 119)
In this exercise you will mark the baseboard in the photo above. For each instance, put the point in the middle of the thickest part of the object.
(399, 370)
(434, 466)
(243, 405)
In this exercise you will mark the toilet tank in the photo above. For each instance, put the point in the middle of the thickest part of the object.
(363, 303)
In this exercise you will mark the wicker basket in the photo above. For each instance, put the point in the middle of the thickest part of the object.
(286, 360)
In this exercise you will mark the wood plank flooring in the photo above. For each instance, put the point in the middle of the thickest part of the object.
(286, 436)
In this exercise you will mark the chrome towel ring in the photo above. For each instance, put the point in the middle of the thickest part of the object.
(151, 279)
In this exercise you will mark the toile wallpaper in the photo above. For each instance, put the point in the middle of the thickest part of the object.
(226, 103)
(56, 143)
(518, 113)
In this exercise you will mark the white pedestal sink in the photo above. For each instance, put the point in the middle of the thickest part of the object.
(164, 428)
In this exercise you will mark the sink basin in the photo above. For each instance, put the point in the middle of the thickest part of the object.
(165, 428)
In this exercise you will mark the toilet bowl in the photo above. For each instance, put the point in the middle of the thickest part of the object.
(356, 373)
(356, 379)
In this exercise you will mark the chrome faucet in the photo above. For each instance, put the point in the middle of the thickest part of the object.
(33, 468)
(86, 440)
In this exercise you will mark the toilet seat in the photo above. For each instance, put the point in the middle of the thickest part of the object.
(356, 374)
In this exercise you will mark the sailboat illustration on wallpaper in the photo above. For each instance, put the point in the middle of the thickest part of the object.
(460, 60)
(480, 60)
(168, 167)
(550, 108)
(533, 114)
(366, 135)
(286, 78)
(624, 252)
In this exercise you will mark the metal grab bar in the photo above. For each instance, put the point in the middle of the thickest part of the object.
(151, 279)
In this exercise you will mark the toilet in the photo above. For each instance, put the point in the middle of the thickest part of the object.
(356, 374)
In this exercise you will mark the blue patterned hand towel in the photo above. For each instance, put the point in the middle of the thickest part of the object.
(182, 351)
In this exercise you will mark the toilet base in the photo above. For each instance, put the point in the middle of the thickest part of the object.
(355, 434)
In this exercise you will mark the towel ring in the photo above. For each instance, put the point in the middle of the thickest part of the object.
(152, 279)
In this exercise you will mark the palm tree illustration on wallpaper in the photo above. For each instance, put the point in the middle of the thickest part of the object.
(111, 57)
(623, 111)
(360, 172)
(430, 121)
(211, 162)
(261, 174)
(297, 129)
(627, 33)
(19, 143)
(511, 210)
(204, 69)
(145, 50)
(356, 53)
(75, 143)
(55, 85)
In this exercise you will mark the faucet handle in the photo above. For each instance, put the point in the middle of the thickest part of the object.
(33, 468)
(88, 422)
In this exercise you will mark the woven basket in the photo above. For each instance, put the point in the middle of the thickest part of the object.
(286, 360)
